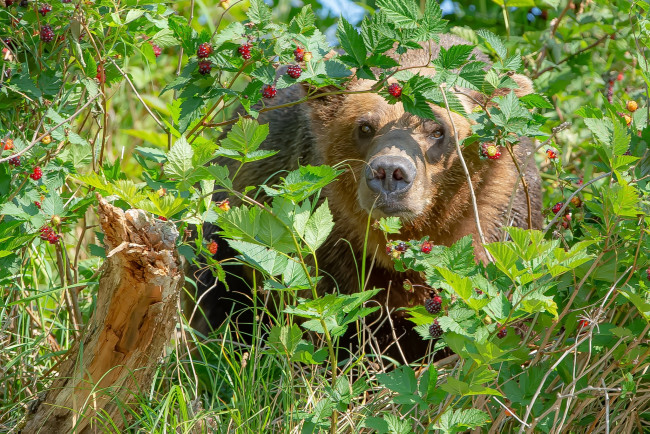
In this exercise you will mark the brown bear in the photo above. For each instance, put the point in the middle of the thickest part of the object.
(397, 164)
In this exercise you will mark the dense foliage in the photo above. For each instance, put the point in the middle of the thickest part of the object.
(129, 100)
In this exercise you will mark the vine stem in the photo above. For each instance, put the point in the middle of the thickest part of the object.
(467, 175)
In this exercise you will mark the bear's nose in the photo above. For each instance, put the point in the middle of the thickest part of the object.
(390, 174)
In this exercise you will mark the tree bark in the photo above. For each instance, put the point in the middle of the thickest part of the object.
(135, 315)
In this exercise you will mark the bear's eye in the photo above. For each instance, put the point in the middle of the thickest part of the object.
(437, 134)
(366, 130)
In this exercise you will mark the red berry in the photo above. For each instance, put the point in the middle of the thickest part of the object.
(101, 74)
(47, 35)
(9, 2)
(9, 144)
(163, 218)
(433, 305)
(401, 247)
(52, 237)
(205, 66)
(389, 249)
(38, 204)
(44, 9)
(269, 91)
(478, 291)
(620, 76)
(557, 207)
(647, 272)
(204, 50)
(395, 90)
(157, 51)
(550, 153)
(502, 333)
(435, 330)
(45, 232)
(245, 50)
(299, 54)
(583, 323)
(426, 247)
(36, 174)
(15, 161)
(213, 247)
(294, 71)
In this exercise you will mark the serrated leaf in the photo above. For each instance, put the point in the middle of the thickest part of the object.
(493, 42)
(404, 14)
(179, 159)
(259, 12)
(352, 43)
(535, 100)
(319, 226)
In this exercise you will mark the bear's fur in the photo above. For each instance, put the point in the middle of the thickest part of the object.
(327, 130)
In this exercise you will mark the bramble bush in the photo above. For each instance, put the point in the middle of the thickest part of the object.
(136, 101)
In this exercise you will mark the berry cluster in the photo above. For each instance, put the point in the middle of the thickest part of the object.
(395, 90)
(269, 91)
(15, 161)
(157, 51)
(45, 9)
(551, 154)
(426, 247)
(36, 174)
(294, 71)
(299, 54)
(433, 305)
(47, 34)
(48, 234)
(435, 330)
(205, 67)
(204, 50)
(245, 50)
(502, 333)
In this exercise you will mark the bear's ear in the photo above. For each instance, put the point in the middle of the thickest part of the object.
(470, 98)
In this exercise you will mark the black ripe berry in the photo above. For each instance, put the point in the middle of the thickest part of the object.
(204, 50)
(435, 330)
(395, 90)
(245, 51)
(15, 161)
(294, 71)
(433, 305)
(205, 66)
(269, 91)
(47, 35)
(502, 333)
(401, 247)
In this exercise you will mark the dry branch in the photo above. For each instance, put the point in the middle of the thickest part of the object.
(132, 323)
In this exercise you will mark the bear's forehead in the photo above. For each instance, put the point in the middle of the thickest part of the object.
(375, 109)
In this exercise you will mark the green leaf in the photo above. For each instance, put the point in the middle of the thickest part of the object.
(303, 22)
(285, 339)
(179, 159)
(259, 12)
(453, 421)
(494, 42)
(461, 388)
(352, 43)
(404, 14)
(319, 226)
(246, 136)
(535, 100)
(454, 57)
(390, 225)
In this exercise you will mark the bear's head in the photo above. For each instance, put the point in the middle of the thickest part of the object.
(399, 164)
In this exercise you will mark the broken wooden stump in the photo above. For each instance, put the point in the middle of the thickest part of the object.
(135, 315)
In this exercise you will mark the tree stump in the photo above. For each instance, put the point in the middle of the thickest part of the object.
(119, 349)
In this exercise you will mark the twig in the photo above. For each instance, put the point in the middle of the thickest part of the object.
(524, 183)
(570, 56)
(568, 201)
(467, 175)
(510, 412)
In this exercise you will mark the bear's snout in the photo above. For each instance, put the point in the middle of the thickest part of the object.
(390, 175)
